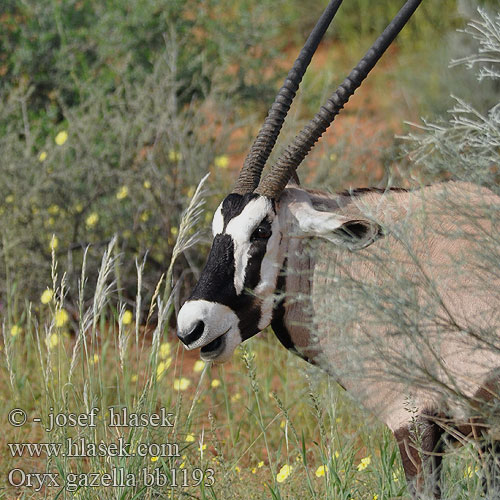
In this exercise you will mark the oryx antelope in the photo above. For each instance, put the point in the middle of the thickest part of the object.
(386, 285)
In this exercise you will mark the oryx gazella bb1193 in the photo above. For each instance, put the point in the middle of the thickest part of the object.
(397, 273)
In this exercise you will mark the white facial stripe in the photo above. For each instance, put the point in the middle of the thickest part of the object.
(218, 221)
(240, 228)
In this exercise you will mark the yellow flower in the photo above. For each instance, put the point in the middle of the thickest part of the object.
(165, 350)
(284, 472)
(147, 184)
(236, 397)
(54, 242)
(15, 330)
(162, 366)
(190, 438)
(254, 470)
(145, 216)
(9, 198)
(133, 378)
(375, 497)
(181, 384)
(46, 296)
(174, 231)
(395, 477)
(198, 366)
(260, 464)
(53, 209)
(174, 155)
(92, 219)
(79, 207)
(221, 161)
(61, 317)
(203, 447)
(122, 193)
(61, 137)
(321, 470)
(127, 317)
(365, 462)
(215, 383)
(94, 359)
(154, 459)
(53, 340)
(42, 156)
(283, 423)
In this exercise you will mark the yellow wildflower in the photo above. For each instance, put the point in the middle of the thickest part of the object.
(92, 219)
(181, 384)
(215, 383)
(9, 198)
(365, 462)
(61, 317)
(190, 438)
(260, 464)
(154, 459)
(54, 242)
(127, 317)
(53, 340)
(221, 161)
(165, 350)
(162, 366)
(235, 397)
(284, 472)
(333, 157)
(122, 193)
(321, 470)
(15, 330)
(133, 378)
(42, 156)
(147, 184)
(174, 155)
(203, 447)
(283, 423)
(174, 231)
(375, 497)
(46, 296)
(254, 470)
(145, 216)
(61, 137)
(53, 209)
(94, 359)
(198, 366)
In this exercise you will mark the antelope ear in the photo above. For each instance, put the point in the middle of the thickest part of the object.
(353, 233)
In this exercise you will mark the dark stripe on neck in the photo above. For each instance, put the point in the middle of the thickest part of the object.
(278, 320)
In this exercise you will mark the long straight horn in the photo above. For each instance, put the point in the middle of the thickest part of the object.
(274, 183)
(254, 163)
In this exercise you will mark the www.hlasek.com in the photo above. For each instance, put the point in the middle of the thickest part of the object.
(81, 447)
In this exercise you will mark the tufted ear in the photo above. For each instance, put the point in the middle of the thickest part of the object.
(353, 233)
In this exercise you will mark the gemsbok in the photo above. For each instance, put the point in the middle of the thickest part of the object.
(394, 293)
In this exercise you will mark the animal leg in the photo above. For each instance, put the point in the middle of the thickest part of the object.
(421, 454)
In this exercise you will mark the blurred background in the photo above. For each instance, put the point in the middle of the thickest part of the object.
(111, 112)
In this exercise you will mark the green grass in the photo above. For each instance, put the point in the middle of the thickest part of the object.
(266, 430)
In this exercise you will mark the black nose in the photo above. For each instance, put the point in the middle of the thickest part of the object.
(193, 335)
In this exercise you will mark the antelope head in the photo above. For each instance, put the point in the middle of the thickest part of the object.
(233, 299)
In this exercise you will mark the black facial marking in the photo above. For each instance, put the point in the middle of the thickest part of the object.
(233, 205)
(259, 240)
(216, 282)
(278, 319)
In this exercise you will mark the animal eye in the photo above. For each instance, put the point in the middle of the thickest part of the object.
(261, 232)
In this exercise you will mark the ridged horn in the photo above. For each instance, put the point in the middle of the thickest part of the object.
(275, 181)
(255, 161)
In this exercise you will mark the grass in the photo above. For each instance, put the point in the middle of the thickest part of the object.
(280, 430)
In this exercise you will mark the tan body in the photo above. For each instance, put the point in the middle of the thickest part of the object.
(397, 322)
